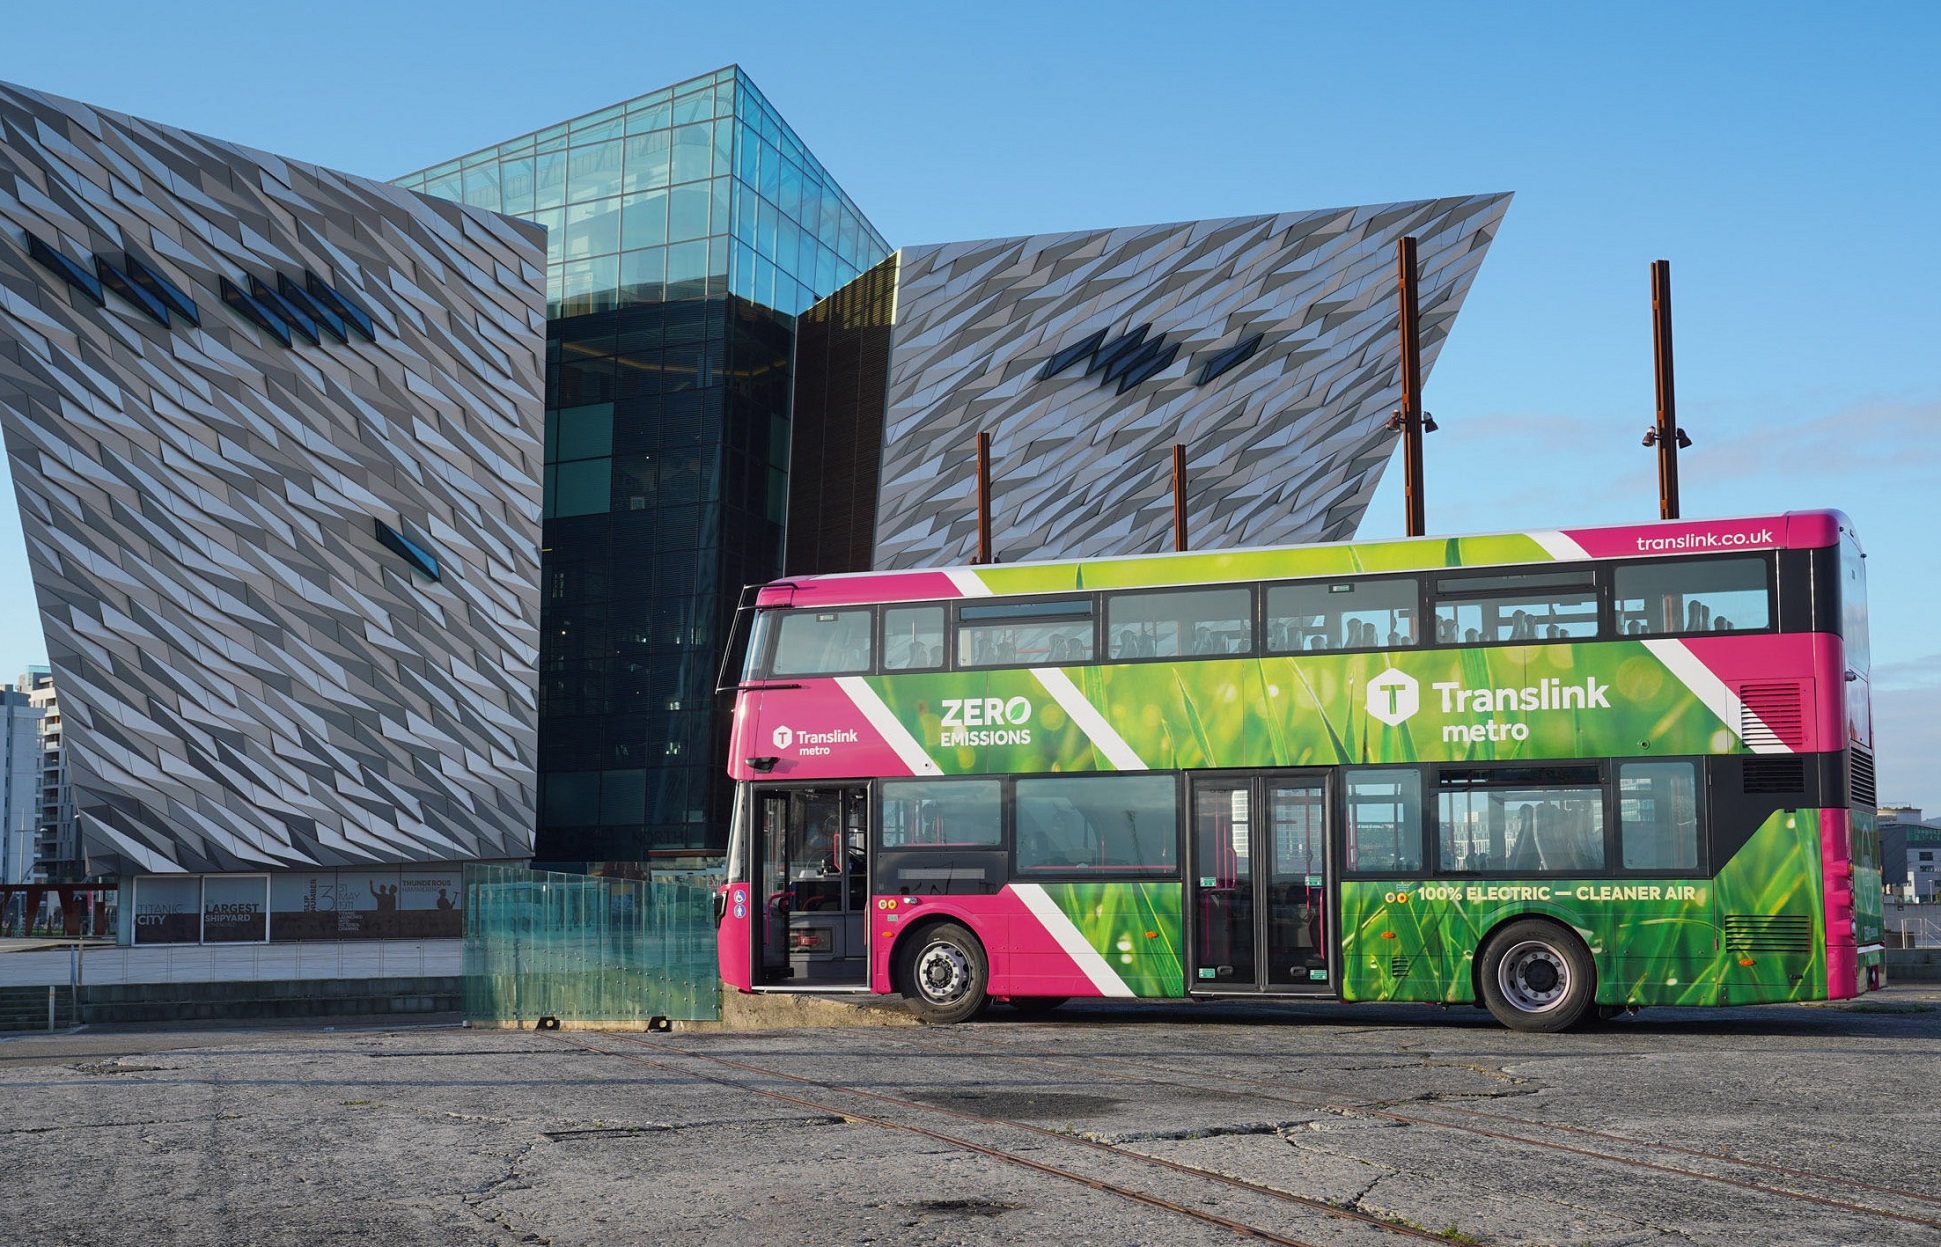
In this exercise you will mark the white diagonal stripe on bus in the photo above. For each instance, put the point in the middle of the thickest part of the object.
(1558, 545)
(1104, 739)
(887, 725)
(1062, 929)
(969, 583)
(1708, 688)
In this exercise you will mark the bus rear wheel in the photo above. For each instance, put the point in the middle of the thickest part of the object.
(944, 974)
(1537, 976)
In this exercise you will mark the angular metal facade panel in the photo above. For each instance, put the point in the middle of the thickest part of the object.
(249, 678)
(1286, 446)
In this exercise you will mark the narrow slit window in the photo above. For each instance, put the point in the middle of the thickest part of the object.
(409, 550)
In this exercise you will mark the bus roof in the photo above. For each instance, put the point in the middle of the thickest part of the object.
(1791, 530)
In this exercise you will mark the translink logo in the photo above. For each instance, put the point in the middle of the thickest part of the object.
(1393, 696)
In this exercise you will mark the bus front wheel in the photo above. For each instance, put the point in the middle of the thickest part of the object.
(1537, 976)
(944, 974)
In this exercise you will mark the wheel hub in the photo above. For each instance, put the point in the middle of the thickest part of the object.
(943, 973)
(1534, 977)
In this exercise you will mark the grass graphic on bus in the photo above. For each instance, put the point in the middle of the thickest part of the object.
(1319, 709)
(1755, 934)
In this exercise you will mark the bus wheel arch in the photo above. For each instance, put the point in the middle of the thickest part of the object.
(1535, 973)
(942, 970)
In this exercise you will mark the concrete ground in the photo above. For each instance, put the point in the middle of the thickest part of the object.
(1105, 1124)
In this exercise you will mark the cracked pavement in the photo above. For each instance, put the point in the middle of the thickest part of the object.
(1753, 1126)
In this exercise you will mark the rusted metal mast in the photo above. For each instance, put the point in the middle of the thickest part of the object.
(984, 498)
(1411, 413)
(1665, 433)
(1179, 495)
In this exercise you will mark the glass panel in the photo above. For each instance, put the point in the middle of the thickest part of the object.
(570, 799)
(1712, 595)
(647, 161)
(789, 200)
(584, 948)
(1343, 614)
(592, 229)
(623, 798)
(1539, 606)
(589, 285)
(515, 182)
(1658, 815)
(1553, 829)
(554, 222)
(1124, 824)
(643, 220)
(771, 175)
(688, 212)
(1024, 634)
(822, 643)
(718, 214)
(482, 186)
(1384, 820)
(1296, 890)
(1166, 625)
(583, 488)
(698, 106)
(913, 638)
(594, 172)
(687, 270)
(724, 147)
(585, 432)
(643, 275)
(693, 152)
(549, 180)
(717, 265)
(1224, 883)
(450, 186)
(922, 813)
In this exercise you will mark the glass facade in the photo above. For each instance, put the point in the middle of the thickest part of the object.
(695, 191)
(686, 231)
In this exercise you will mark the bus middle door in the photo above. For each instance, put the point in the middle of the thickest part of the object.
(1259, 885)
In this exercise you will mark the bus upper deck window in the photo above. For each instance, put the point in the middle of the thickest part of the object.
(913, 638)
(1516, 606)
(1344, 614)
(1694, 595)
(1025, 634)
(1171, 623)
(822, 643)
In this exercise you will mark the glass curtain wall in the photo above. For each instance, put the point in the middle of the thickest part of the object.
(694, 191)
(686, 230)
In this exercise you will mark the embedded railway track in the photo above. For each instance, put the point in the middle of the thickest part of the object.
(1503, 1128)
(748, 1077)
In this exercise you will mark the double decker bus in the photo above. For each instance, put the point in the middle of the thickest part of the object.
(1559, 773)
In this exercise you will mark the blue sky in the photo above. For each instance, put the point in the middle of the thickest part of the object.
(1782, 157)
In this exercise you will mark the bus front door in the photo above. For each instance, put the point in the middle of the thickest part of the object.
(811, 863)
(1258, 880)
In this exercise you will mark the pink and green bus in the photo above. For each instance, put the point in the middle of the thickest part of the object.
(1560, 774)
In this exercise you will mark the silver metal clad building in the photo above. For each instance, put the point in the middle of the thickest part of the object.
(1266, 343)
(276, 436)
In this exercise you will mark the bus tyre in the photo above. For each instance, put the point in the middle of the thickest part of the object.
(1537, 976)
(944, 973)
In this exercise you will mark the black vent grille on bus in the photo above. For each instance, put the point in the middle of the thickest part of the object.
(1768, 933)
(1398, 967)
(1771, 715)
(1783, 774)
(1860, 777)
